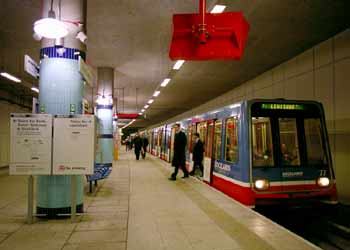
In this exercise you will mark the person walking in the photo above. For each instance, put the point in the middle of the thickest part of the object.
(198, 150)
(179, 158)
(144, 146)
(137, 146)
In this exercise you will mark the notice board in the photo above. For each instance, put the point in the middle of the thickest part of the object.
(30, 144)
(73, 145)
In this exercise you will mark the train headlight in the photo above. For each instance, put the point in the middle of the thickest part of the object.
(261, 184)
(323, 181)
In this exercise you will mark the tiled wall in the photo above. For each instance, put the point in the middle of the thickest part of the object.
(5, 110)
(321, 73)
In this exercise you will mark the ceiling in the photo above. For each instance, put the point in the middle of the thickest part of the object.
(133, 37)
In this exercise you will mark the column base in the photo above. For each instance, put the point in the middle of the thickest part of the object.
(51, 213)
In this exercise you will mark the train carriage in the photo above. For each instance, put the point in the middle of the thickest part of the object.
(263, 151)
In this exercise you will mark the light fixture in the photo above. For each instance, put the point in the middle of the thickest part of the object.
(50, 27)
(218, 9)
(323, 181)
(178, 64)
(140, 113)
(261, 184)
(142, 110)
(35, 89)
(10, 77)
(156, 93)
(165, 82)
(146, 106)
(150, 101)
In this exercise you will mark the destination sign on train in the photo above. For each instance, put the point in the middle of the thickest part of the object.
(282, 106)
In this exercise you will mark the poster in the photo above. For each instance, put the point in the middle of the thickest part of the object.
(74, 145)
(30, 144)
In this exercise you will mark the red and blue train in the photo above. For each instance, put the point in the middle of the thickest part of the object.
(260, 151)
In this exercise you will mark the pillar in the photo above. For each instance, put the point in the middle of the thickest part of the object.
(61, 92)
(104, 113)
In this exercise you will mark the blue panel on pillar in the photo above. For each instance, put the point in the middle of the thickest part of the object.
(69, 53)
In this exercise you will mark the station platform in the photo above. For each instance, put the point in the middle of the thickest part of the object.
(138, 208)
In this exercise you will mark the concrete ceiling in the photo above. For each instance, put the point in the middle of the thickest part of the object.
(133, 37)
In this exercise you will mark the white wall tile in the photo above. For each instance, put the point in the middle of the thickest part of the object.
(324, 91)
(342, 95)
(290, 68)
(304, 62)
(342, 45)
(278, 74)
(290, 89)
(323, 53)
(278, 90)
(264, 93)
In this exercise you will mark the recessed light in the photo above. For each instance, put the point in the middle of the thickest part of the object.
(165, 82)
(150, 101)
(10, 77)
(178, 64)
(218, 9)
(156, 93)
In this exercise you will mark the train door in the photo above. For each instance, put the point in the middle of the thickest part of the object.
(172, 139)
(202, 129)
(208, 152)
(290, 158)
(192, 131)
(159, 142)
(216, 149)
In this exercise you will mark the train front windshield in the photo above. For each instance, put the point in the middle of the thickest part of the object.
(288, 135)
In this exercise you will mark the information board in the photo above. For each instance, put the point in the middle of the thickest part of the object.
(73, 145)
(30, 144)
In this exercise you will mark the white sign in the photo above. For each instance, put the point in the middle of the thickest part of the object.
(30, 149)
(86, 71)
(30, 66)
(74, 145)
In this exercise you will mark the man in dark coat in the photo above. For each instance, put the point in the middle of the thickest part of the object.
(198, 150)
(138, 145)
(144, 146)
(179, 158)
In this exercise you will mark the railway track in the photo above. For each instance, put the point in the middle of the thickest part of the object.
(327, 226)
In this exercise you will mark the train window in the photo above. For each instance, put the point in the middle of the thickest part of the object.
(262, 142)
(314, 147)
(209, 143)
(191, 136)
(217, 139)
(289, 141)
(202, 130)
(231, 146)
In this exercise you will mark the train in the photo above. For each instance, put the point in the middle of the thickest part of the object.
(259, 151)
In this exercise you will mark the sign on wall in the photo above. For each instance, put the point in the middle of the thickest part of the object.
(30, 66)
(30, 145)
(74, 145)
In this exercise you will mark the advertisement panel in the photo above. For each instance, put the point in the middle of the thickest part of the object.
(30, 144)
(74, 145)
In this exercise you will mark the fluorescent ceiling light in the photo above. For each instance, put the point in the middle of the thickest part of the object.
(156, 93)
(146, 106)
(142, 110)
(178, 64)
(165, 82)
(140, 113)
(10, 77)
(150, 101)
(218, 8)
(35, 89)
(50, 28)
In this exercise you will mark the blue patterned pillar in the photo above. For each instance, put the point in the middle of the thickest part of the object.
(61, 92)
(104, 113)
